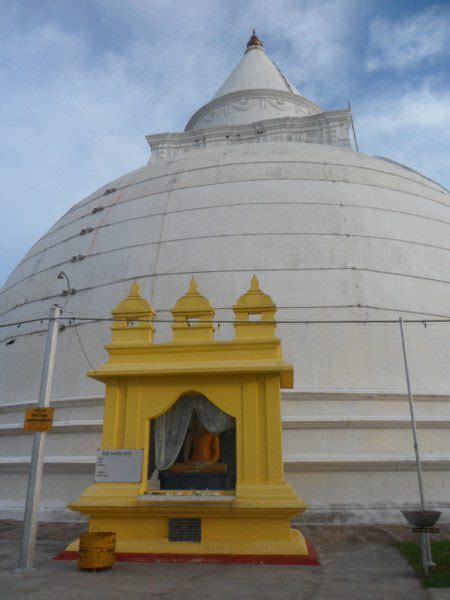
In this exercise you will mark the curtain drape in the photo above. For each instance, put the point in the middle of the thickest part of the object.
(171, 427)
(212, 418)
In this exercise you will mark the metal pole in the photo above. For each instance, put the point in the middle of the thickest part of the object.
(428, 546)
(413, 418)
(353, 126)
(37, 456)
(425, 545)
(424, 551)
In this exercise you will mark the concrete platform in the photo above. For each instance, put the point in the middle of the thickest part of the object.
(357, 563)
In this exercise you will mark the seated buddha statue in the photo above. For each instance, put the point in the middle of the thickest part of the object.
(201, 450)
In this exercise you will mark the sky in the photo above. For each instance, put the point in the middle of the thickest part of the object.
(83, 81)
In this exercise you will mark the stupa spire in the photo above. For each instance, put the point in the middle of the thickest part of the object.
(255, 71)
(256, 90)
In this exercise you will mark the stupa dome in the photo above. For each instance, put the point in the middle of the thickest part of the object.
(262, 182)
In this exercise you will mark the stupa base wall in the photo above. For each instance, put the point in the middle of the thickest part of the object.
(364, 515)
(357, 466)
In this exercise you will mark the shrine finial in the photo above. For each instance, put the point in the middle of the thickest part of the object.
(133, 318)
(254, 284)
(255, 303)
(134, 305)
(193, 315)
(193, 288)
(135, 290)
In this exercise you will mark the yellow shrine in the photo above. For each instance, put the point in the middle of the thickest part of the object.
(206, 417)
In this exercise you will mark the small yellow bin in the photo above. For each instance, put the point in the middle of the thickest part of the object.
(96, 550)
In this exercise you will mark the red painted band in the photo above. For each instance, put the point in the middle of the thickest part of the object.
(227, 559)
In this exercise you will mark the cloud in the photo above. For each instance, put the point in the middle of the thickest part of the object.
(83, 83)
(70, 126)
(79, 100)
(408, 41)
(410, 128)
(312, 42)
(75, 118)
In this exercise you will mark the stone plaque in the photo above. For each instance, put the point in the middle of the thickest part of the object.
(118, 466)
(185, 530)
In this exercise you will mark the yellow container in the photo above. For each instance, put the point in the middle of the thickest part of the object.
(96, 550)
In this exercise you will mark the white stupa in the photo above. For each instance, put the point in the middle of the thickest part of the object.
(261, 181)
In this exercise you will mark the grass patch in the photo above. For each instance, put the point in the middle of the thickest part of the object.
(438, 576)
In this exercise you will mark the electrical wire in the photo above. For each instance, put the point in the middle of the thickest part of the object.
(11, 338)
(17, 323)
(82, 348)
(86, 319)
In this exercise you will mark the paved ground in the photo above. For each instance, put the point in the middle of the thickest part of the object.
(357, 563)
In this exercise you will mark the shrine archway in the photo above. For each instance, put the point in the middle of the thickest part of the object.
(192, 447)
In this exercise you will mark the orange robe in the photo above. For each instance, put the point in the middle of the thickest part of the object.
(205, 448)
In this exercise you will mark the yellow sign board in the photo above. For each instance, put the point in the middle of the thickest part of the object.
(38, 419)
